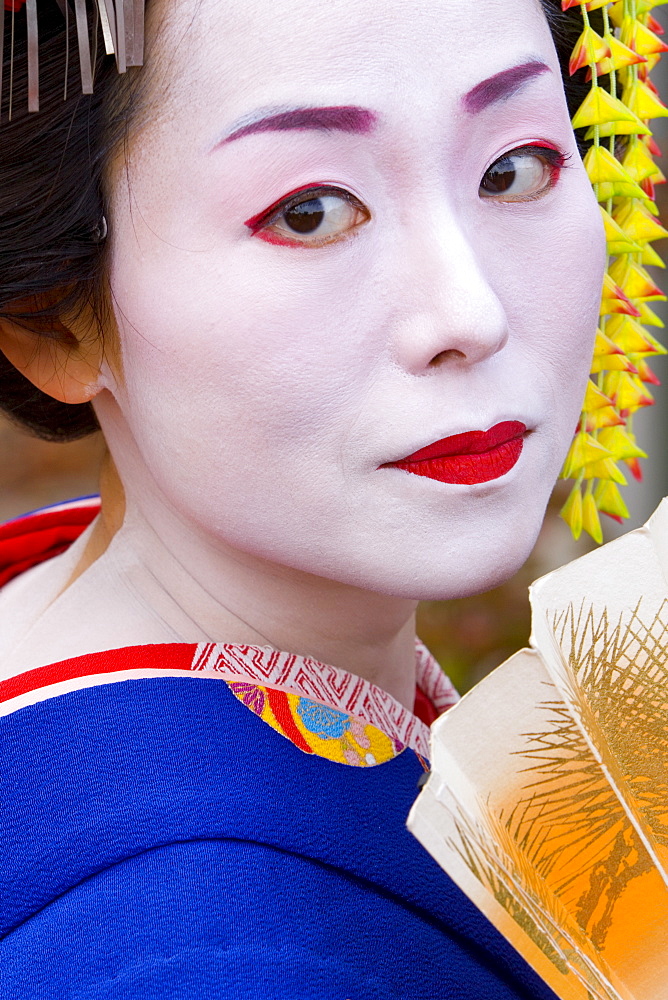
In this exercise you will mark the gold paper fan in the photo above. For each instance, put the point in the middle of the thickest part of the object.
(548, 799)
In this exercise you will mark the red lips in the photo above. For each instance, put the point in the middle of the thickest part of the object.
(473, 457)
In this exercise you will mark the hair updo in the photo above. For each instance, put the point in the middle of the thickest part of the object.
(52, 194)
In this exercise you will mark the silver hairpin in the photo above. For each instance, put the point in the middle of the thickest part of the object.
(122, 27)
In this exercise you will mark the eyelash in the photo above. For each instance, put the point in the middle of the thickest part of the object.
(292, 199)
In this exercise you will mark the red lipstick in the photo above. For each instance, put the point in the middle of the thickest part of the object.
(473, 457)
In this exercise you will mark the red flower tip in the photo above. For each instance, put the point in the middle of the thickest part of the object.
(653, 146)
(615, 517)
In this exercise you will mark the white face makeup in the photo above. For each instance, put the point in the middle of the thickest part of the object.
(304, 299)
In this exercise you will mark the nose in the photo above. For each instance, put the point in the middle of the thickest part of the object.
(450, 314)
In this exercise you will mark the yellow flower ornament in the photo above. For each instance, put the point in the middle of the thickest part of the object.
(615, 114)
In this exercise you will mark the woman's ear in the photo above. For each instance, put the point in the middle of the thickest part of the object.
(62, 357)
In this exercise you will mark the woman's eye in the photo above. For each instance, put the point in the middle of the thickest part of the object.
(313, 217)
(523, 174)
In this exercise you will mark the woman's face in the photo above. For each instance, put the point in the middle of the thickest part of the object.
(352, 230)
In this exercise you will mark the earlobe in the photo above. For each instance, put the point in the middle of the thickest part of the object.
(56, 360)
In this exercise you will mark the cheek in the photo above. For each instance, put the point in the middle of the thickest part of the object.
(551, 282)
(246, 347)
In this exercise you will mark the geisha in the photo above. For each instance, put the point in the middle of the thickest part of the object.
(327, 276)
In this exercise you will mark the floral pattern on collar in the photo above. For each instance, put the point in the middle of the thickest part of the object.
(323, 709)
(318, 729)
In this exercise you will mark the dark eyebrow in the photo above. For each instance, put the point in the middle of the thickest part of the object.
(346, 118)
(501, 86)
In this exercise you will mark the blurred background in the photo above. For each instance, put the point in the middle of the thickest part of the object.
(469, 637)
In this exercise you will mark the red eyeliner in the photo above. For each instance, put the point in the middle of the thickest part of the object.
(472, 457)
(555, 163)
(258, 224)
(272, 238)
(263, 217)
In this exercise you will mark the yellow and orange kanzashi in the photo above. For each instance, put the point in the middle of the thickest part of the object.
(622, 171)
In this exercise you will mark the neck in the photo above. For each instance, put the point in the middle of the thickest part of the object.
(204, 589)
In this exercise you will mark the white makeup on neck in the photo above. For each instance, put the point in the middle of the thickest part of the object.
(304, 296)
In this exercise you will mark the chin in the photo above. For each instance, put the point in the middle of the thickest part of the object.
(474, 555)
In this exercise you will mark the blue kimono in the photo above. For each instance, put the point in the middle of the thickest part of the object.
(159, 840)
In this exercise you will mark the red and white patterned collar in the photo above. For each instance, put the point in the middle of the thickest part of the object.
(260, 666)
(337, 688)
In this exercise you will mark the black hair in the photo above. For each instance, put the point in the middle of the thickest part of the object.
(52, 173)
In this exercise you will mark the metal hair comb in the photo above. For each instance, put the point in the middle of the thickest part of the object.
(121, 22)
